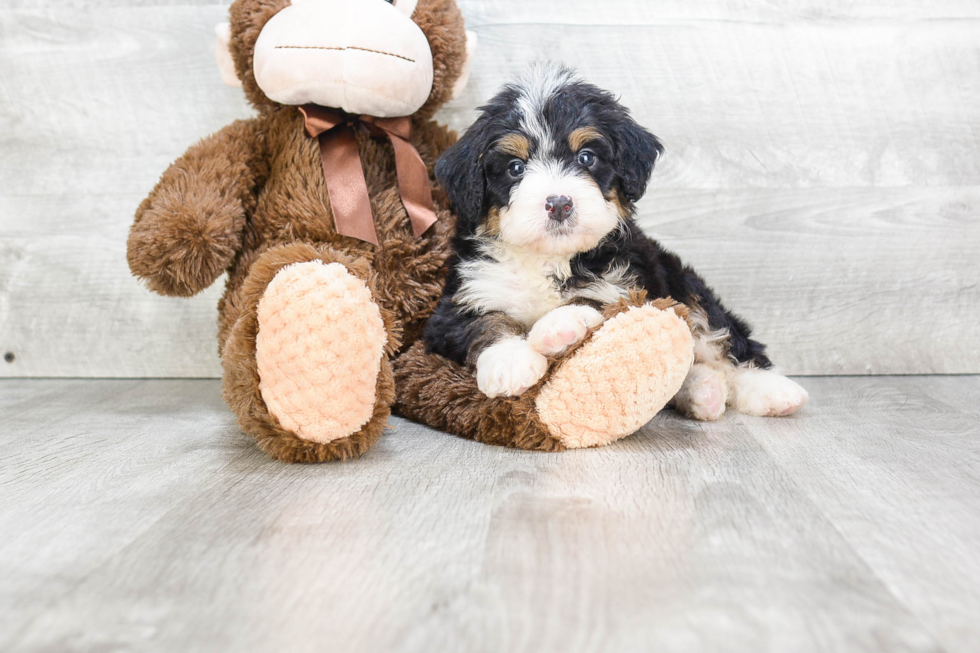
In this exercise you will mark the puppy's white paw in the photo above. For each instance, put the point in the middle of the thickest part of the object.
(703, 394)
(766, 393)
(563, 327)
(508, 368)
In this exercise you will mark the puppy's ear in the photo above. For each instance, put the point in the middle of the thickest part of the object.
(460, 173)
(638, 151)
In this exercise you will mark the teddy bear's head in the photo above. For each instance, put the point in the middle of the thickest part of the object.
(384, 58)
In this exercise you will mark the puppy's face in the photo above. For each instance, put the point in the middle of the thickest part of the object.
(551, 187)
(551, 166)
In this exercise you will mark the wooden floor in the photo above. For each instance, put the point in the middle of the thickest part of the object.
(135, 516)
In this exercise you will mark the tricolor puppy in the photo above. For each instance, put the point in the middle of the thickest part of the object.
(544, 186)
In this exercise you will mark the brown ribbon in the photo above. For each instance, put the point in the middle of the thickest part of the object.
(345, 179)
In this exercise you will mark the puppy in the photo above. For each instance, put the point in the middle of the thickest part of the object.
(544, 185)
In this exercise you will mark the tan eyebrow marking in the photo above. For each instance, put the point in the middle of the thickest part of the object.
(492, 223)
(613, 198)
(515, 145)
(578, 138)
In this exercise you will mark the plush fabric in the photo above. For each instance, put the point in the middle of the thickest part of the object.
(620, 379)
(599, 390)
(241, 382)
(440, 21)
(318, 350)
(251, 200)
(374, 60)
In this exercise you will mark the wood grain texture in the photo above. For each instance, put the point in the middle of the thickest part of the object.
(136, 517)
(821, 167)
(903, 491)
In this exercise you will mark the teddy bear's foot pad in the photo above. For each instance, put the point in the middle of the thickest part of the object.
(619, 380)
(318, 350)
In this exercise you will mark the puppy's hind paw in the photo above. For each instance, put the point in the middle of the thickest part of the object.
(508, 368)
(766, 393)
(562, 328)
(703, 394)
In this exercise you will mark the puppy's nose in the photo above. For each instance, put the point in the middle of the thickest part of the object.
(559, 207)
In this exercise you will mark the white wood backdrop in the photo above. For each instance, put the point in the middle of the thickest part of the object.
(822, 168)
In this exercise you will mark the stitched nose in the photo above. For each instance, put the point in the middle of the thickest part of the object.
(559, 207)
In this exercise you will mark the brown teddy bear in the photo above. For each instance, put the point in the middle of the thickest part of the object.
(324, 212)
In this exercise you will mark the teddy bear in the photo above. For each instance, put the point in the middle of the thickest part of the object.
(324, 212)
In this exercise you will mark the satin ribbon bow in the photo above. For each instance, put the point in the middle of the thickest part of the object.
(341, 161)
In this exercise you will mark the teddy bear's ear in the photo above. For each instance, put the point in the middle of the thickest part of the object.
(464, 75)
(222, 53)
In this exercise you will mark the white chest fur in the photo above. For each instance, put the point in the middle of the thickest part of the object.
(524, 286)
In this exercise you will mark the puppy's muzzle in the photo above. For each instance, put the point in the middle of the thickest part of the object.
(559, 207)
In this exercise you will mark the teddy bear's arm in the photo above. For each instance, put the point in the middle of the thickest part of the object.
(188, 230)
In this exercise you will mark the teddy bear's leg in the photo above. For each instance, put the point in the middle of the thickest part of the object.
(604, 389)
(306, 364)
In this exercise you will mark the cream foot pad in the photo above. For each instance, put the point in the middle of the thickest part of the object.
(619, 380)
(318, 350)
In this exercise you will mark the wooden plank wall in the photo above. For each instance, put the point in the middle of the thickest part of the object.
(822, 168)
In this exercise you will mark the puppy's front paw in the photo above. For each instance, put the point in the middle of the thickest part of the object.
(767, 393)
(563, 327)
(508, 368)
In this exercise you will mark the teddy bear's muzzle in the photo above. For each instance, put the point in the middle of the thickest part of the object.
(364, 57)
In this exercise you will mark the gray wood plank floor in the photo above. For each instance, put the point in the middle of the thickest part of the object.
(135, 516)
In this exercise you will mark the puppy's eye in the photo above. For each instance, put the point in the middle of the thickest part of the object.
(516, 168)
(586, 158)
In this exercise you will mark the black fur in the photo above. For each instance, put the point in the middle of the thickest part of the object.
(662, 274)
(475, 178)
